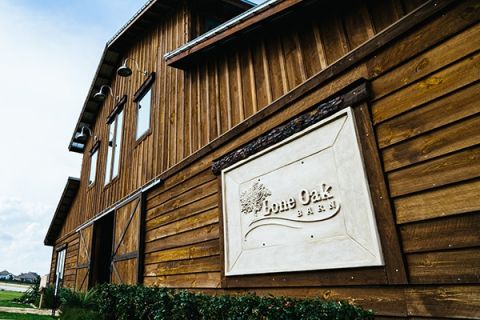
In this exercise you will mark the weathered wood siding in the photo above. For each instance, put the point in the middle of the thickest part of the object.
(425, 115)
(193, 107)
(126, 243)
(425, 112)
(85, 237)
(70, 271)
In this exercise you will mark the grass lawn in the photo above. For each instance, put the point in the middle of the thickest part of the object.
(6, 298)
(15, 316)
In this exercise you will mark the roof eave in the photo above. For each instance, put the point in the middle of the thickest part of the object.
(77, 146)
(68, 196)
(247, 22)
(112, 53)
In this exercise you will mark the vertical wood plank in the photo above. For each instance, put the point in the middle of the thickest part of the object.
(277, 71)
(394, 265)
(358, 24)
(333, 36)
(384, 12)
(248, 83)
(260, 77)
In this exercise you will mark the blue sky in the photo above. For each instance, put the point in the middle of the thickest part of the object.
(49, 51)
(107, 15)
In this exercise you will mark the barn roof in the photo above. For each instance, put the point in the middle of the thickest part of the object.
(267, 17)
(143, 20)
(249, 21)
(64, 205)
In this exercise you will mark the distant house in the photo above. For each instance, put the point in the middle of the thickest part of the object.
(29, 277)
(44, 281)
(5, 275)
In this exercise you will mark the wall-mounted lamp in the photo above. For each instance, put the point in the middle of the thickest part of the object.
(100, 96)
(82, 136)
(125, 71)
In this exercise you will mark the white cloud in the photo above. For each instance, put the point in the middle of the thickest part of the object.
(47, 62)
(23, 225)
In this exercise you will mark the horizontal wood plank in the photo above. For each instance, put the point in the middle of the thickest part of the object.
(362, 276)
(199, 250)
(442, 141)
(182, 199)
(206, 233)
(164, 194)
(456, 167)
(436, 58)
(195, 280)
(449, 23)
(427, 89)
(207, 203)
(69, 272)
(190, 223)
(452, 266)
(445, 201)
(206, 264)
(180, 177)
(445, 301)
(458, 105)
(444, 233)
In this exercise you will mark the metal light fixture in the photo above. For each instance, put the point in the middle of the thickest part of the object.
(126, 71)
(100, 96)
(82, 136)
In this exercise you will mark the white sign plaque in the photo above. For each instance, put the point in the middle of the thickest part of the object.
(302, 204)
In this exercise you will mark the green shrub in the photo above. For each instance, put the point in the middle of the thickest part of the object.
(122, 302)
(76, 305)
(79, 314)
(136, 302)
(32, 295)
(75, 299)
(50, 301)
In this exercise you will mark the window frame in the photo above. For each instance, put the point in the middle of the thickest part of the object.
(61, 253)
(146, 86)
(110, 163)
(94, 150)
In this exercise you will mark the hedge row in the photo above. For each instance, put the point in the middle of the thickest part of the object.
(122, 302)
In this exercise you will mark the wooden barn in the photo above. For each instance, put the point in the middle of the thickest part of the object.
(303, 148)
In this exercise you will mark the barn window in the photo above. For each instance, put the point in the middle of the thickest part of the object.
(143, 101)
(59, 270)
(143, 114)
(93, 164)
(115, 129)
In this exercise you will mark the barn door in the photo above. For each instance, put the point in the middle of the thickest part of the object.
(126, 243)
(84, 258)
